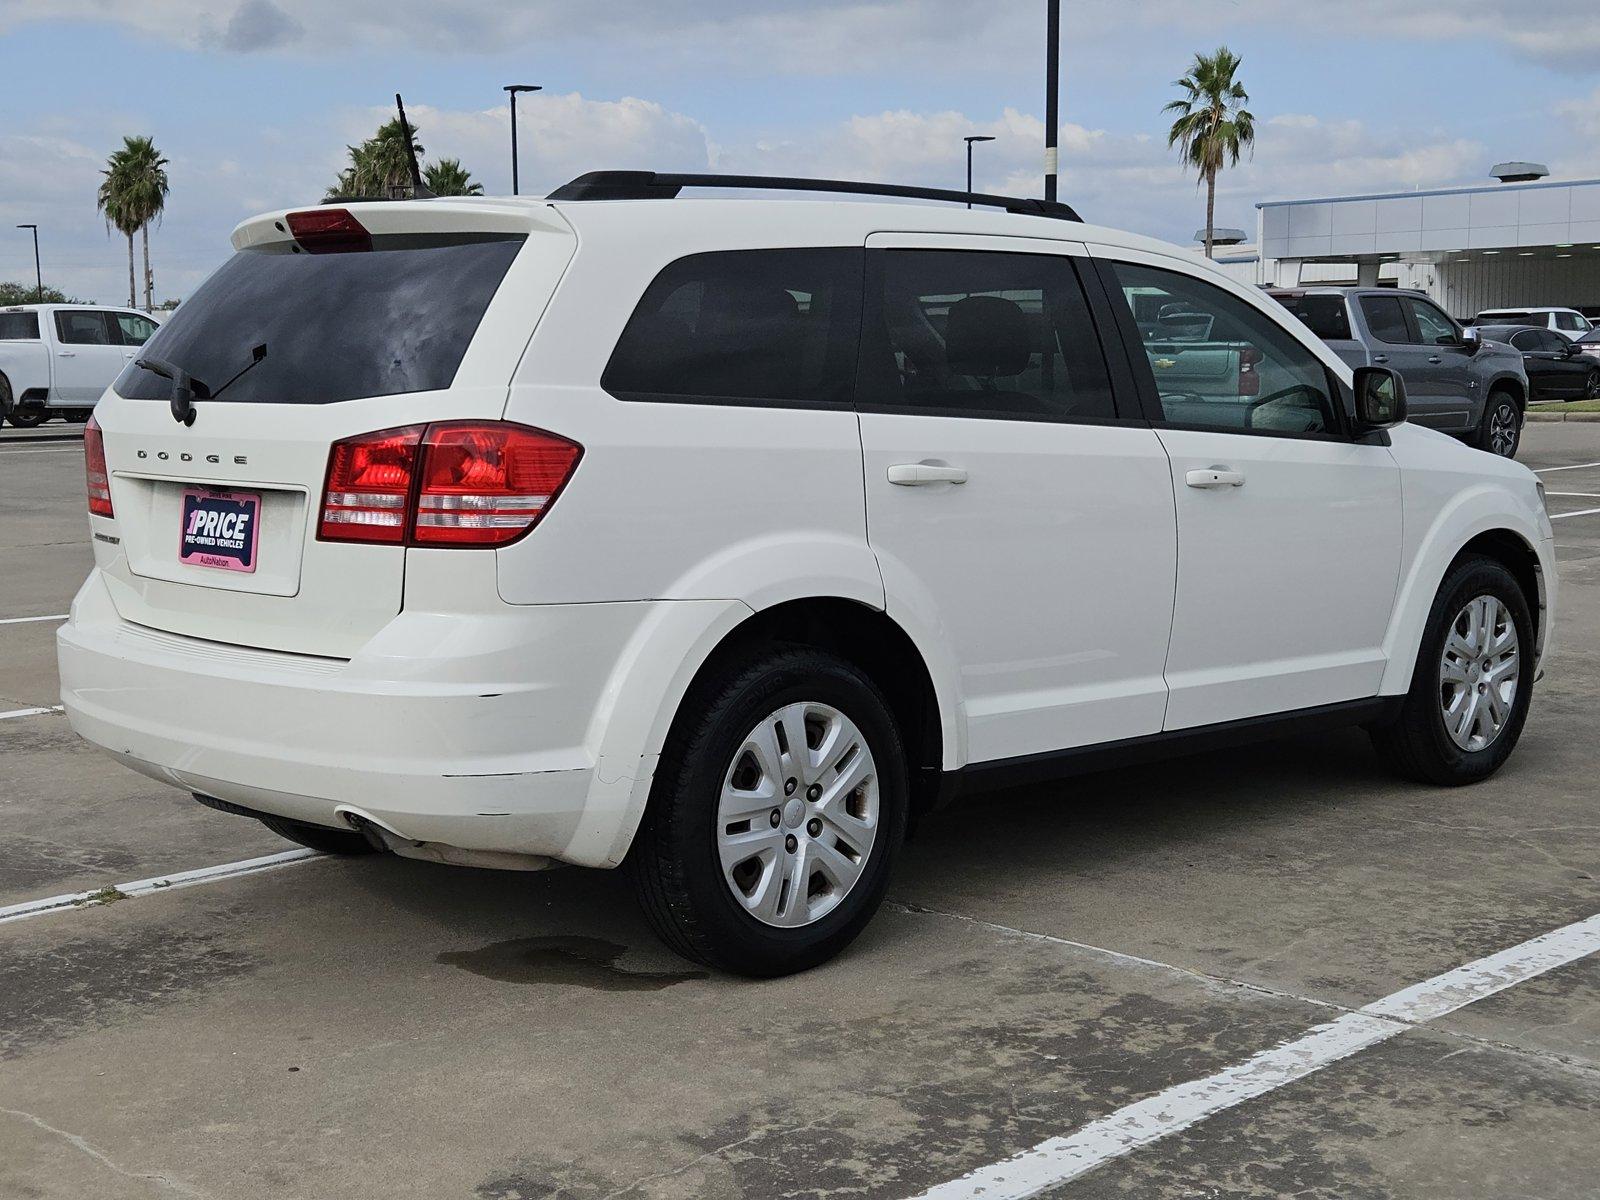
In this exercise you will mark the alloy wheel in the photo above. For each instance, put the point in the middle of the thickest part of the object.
(1503, 429)
(1479, 671)
(798, 816)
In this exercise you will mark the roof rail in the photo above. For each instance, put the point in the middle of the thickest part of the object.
(655, 185)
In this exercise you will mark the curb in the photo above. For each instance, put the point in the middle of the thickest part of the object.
(1561, 416)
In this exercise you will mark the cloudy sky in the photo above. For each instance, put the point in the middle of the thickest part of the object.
(254, 101)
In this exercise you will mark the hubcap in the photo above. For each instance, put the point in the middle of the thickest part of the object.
(1503, 430)
(1478, 673)
(794, 871)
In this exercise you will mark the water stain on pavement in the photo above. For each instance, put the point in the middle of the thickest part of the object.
(567, 961)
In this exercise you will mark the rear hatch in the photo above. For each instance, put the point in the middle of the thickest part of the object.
(372, 316)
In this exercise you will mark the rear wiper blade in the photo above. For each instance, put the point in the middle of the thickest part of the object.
(183, 386)
(257, 353)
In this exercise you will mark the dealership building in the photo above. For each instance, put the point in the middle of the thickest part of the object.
(1524, 241)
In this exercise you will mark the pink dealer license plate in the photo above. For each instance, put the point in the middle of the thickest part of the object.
(220, 529)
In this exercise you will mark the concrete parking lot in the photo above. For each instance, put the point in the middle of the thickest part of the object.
(1090, 961)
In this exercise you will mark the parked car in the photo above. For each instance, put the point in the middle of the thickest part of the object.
(1557, 369)
(1454, 381)
(56, 359)
(1568, 322)
(1589, 344)
(723, 539)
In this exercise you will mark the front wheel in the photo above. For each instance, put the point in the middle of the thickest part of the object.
(1472, 684)
(1591, 385)
(776, 814)
(1500, 431)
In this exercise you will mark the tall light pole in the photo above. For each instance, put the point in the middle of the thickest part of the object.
(969, 140)
(38, 277)
(1052, 96)
(512, 89)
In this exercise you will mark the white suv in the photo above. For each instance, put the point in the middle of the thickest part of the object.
(721, 538)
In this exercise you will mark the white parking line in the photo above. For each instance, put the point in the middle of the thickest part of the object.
(51, 450)
(29, 712)
(1582, 512)
(159, 883)
(1579, 495)
(1060, 1159)
(1573, 467)
(26, 620)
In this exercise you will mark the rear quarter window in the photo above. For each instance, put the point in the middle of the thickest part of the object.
(744, 327)
(337, 326)
(19, 327)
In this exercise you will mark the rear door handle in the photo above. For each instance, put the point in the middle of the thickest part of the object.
(924, 473)
(1435, 359)
(67, 353)
(1380, 358)
(1214, 477)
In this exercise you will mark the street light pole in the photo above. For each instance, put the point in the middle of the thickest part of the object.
(969, 140)
(38, 277)
(1052, 97)
(512, 89)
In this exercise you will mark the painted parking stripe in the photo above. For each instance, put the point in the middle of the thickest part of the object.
(1062, 1159)
(52, 450)
(1573, 467)
(158, 883)
(1582, 512)
(29, 712)
(26, 620)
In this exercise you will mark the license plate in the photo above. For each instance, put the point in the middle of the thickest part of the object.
(220, 529)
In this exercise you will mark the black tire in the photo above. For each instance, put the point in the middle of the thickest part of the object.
(674, 862)
(1416, 744)
(28, 418)
(1500, 430)
(1591, 386)
(320, 837)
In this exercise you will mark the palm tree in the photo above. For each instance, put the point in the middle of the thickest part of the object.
(448, 177)
(1213, 128)
(133, 195)
(379, 166)
(112, 201)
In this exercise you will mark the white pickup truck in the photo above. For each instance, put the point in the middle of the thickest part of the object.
(56, 359)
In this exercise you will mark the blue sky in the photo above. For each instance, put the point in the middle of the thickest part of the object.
(254, 100)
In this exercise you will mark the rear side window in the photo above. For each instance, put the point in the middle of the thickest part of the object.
(84, 329)
(1386, 319)
(981, 334)
(744, 327)
(337, 326)
(1325, 316)
(19, 327)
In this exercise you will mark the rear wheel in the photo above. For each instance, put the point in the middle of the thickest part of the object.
(1472, 684)
(1591, 385)
(1500, 432)
(320, 837)
(776, 814)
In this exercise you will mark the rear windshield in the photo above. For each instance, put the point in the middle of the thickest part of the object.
(397, 318)
(19, 327)
(1325, 316)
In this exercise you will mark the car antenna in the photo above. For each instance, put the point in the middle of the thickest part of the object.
(419, 190)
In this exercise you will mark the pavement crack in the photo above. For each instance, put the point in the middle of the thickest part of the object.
(80, 1143)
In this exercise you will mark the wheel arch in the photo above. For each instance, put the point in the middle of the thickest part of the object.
(1510, 383)
(925, 708)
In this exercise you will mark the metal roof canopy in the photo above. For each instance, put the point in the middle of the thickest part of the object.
(1541, 219)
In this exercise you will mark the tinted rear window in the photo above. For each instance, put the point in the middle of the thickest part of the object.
(22, 326)
(1386, 319)
(337, 327)
(1325, 316)
(736, 326)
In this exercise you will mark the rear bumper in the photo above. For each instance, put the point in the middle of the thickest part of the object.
(476, 732)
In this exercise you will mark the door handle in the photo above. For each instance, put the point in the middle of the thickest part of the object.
(1380, 358)
(66, 354)
(1214, 477)
(923, 473)
(1435, 359)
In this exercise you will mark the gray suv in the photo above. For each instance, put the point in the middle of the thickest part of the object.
(1455, 382)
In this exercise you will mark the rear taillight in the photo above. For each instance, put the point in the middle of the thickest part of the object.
(455, 483)
(94, 465)
(1249, 377)
(368, 492)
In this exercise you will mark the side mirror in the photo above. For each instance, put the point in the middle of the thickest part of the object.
(1471, 339)
(1380, 398)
